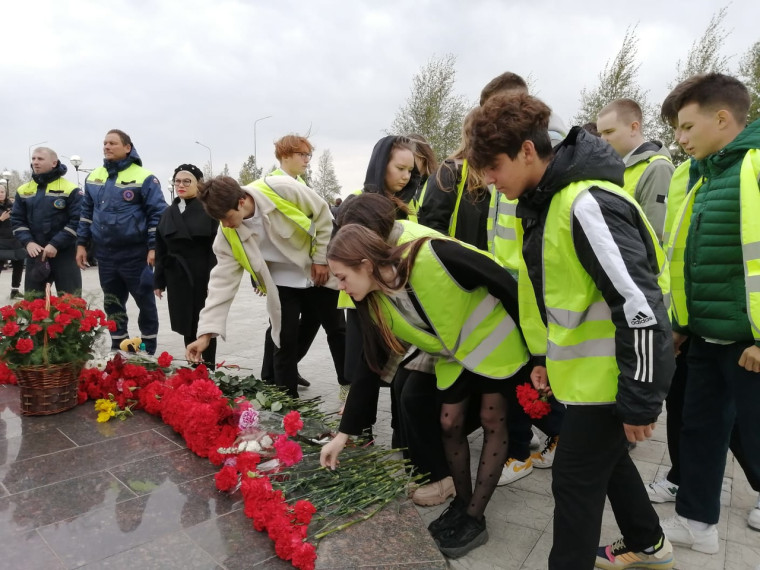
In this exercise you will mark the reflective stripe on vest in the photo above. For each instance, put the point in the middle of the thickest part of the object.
(238, 252)
(750, 200)
(581, 353)
(677, 192)
(679, 186)
(58, 187)
(460, 192)
(470, 329)
(287, 209)
(412, 231)
(501, 230)
(634, 173)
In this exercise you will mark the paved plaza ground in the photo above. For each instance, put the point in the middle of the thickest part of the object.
(77, 494)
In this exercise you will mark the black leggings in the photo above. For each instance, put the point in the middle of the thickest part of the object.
(493, 420)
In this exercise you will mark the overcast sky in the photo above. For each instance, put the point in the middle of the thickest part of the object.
(172, 72)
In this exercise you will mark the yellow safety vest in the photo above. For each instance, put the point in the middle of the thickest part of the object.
(580, 357)
(470, 329)
(749, 197)
(634, 173)
(679, 187)
(58, 187)
(501, 228)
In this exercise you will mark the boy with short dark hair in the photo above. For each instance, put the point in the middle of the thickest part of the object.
(593, 261)
(716, 300)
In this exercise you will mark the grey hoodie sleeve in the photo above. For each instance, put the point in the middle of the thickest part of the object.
(652, 190)
(613, 245)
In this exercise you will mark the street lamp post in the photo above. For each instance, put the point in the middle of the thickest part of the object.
(210, 165)
(76, 160)
(255, 153)
(31, 146)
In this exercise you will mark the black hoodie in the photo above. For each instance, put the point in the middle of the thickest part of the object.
(374, 181)
(616, 250)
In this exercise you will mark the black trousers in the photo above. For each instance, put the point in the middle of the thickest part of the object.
(592, 463)
(720, 397)
(674, 402)
(64, 272)
(320, 302)
(419, 422)
(17, 266)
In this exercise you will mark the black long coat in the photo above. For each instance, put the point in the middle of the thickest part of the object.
(184, 259)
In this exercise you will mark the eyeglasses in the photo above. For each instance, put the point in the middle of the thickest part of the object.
(185, 182)
(306, 155)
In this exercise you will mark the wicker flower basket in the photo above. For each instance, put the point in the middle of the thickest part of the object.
(48, 389)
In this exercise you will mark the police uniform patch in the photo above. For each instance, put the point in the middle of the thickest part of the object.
(59, 203)
(128, 195)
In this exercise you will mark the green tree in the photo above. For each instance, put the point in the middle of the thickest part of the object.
(705, 53)
(704, 57)
(618, 79)
(325, 183)
(433, 110)
(16, 179)
(249, 171)
(225, 170)
(749, 72)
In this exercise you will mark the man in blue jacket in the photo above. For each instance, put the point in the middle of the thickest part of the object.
(122, 206)
(45, 218)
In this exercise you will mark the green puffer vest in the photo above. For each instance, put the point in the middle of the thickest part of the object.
(713, 263)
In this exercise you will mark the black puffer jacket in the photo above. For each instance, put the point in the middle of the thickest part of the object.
(618, 239)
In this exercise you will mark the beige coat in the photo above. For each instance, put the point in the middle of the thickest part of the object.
(287, 236)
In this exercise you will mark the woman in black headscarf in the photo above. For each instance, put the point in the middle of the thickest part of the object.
(184, 257)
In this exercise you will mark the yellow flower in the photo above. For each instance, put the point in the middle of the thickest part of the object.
(104, 417)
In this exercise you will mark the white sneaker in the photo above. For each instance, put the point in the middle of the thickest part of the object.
(535, 443)
(662, 491)
(545, 458)
(514, 470)
(679, 531)
(754, 516)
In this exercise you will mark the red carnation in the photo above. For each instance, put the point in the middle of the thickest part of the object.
(40, 314)
(227, 478)
(8, 312)
(165, 360)
(292, 423)
(248, 461)
(54, 330)
(10, 328)
(24, 345)
(304, 556)
(33, 328)
(535, 403)
(304, 511)
(288, 452)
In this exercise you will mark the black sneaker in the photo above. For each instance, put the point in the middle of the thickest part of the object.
(303, 381)
(16, 294)
(448, 517)
(468, 534)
